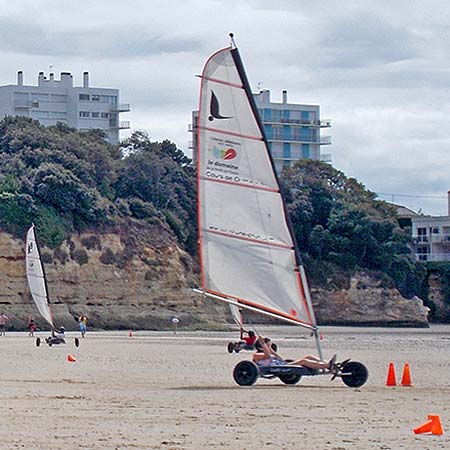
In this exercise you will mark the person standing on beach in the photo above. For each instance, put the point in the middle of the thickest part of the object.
(82, 320)
(31, 326)
(3, 320)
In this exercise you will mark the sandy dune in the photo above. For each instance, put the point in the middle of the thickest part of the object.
(158, 391)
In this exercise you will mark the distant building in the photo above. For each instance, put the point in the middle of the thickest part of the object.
(292, 130)
(53, 101)
(431, 237)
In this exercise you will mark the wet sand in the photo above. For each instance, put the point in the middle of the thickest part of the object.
(159, 391)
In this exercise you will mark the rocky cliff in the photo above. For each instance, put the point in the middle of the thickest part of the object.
(98, 275)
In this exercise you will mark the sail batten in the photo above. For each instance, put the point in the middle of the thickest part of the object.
(36, 277)
(247, 251)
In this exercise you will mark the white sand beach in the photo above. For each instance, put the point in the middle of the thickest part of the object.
(159, 391)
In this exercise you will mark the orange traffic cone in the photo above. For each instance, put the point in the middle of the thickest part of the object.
(391, 380)
(130, 334)
(432, 425)
(71, 358)
(406, 377)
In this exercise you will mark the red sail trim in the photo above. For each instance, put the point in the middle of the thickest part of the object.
(232, 133)
(227, 83)
(303, 296)
(281, 314)
(236, 183)
(256, 241)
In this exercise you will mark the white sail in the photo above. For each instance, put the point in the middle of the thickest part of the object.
(247, 252)
(36, 277)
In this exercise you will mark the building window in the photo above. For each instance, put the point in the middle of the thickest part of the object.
(434, 230)
(84, 97)
(287, 151)
(84, 114)
(306, 154)
(104, 115)
(95, 115)
(95, 97)
(35, 104)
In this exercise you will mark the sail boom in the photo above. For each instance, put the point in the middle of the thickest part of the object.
(238, 304)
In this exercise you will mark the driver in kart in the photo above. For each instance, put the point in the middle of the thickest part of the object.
(250, 339)
(266, 356)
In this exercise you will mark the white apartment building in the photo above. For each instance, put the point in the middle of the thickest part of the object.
(292, 130)
(52, 101)
(431, 237)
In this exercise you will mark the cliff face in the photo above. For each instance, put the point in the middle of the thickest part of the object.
(97, 275)
(368, 303)
(141, 292)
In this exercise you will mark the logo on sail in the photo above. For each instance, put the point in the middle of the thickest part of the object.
(225, 154)
(215, 109)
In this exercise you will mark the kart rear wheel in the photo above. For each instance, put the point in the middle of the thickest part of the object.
(230, 347)
(77, 342)
(354, 374)
(245, 373)
(290, 378)
(274, 347)
(38, 341)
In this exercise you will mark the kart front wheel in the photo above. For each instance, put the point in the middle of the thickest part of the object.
(274, 347)
(38, 341)
(354, 374)
(77, 342)
(230, 347)
(245, 373)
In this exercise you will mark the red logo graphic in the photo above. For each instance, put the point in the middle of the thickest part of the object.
(293, 312)
(230, 154)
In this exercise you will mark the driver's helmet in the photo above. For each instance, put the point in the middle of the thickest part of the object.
(251, 333)
(62, 330)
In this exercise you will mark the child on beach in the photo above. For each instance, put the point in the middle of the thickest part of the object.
(82, 321)
(31, 326)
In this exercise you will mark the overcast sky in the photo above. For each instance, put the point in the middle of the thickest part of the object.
(380, 71)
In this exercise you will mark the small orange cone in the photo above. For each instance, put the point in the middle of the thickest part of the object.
(391, 380)
(130, 334)
(406, 377)
(432, 425)
(321, 336)
(71, 358)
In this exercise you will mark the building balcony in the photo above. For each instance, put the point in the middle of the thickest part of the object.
(122, 125)
(435, 257)
(121, 107)
(308, 123)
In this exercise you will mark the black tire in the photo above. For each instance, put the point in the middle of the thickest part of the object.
(354, 374)
(77, 342)
(274, 347)
(290, 378)
(38, 341)
(230, 347)
(49, 344)
(245, 373)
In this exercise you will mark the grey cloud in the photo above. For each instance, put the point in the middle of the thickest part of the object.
(108, 42)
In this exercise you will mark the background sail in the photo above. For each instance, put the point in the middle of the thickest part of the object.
(246, 248)
(237, 316)
(36, 277)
